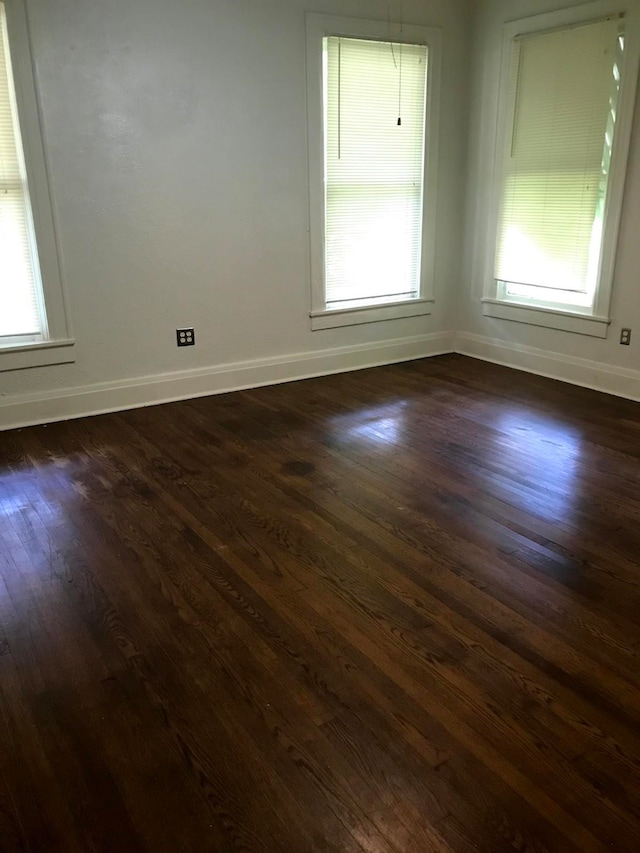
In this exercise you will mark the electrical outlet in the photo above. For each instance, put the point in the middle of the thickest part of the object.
(625, 337)
(186, 337)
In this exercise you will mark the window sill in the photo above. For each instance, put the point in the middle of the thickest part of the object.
(370, 314)
(549, 318)
(37, 355)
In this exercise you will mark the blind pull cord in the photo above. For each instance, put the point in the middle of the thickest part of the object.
(339, 99)
(400, 75)
(398, 65)
(400, 91)
(393, 54)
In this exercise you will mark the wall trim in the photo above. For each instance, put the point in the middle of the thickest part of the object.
(549, 318)
(30, 409)
(608, 378)
(24, 410)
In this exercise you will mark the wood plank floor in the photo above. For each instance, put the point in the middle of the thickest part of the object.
(391, 611)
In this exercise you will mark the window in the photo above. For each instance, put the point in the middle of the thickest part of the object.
(372, 152)
(33, 323)
(22, 316)
(559, 187)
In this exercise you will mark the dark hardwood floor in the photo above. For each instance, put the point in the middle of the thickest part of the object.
(392, 611)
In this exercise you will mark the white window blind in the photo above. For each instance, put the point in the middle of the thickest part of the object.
(374, 162)
(21, 314)
(562, 109)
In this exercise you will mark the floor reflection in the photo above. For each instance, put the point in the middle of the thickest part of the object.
(384, 425)
(546, 455)
(36, 512)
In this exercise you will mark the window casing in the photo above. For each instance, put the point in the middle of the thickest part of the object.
(34, 325)
(566, 104)
(372, 108)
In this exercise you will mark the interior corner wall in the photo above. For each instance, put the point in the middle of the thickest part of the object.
(176, 141)
(595, 362)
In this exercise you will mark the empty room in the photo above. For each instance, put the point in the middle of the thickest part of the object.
(319, 426)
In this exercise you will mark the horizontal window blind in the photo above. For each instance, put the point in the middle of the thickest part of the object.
(374, 154)
(20, 314)
(563, 99)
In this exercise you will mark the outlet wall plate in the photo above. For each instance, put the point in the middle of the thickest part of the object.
(186, 337)
(625, 337)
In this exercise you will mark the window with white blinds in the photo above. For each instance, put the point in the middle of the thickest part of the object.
(374, 123)
(561, 116)
(22, 317)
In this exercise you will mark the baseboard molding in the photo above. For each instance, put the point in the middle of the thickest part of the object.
(620, 381)
(28, 410)
(31, 409)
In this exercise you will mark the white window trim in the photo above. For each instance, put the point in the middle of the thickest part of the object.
(594, 322)
(59, 346)
(318, 27)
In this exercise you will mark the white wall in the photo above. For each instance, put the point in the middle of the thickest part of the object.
(176, 139)
(625, 308)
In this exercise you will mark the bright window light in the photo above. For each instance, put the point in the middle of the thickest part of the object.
(22, 318)
(562, 104)
(374, 103)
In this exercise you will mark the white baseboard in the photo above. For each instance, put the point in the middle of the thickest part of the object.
(30, 409)
(620, 381)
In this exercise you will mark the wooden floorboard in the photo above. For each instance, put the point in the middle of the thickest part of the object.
(390, 611)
